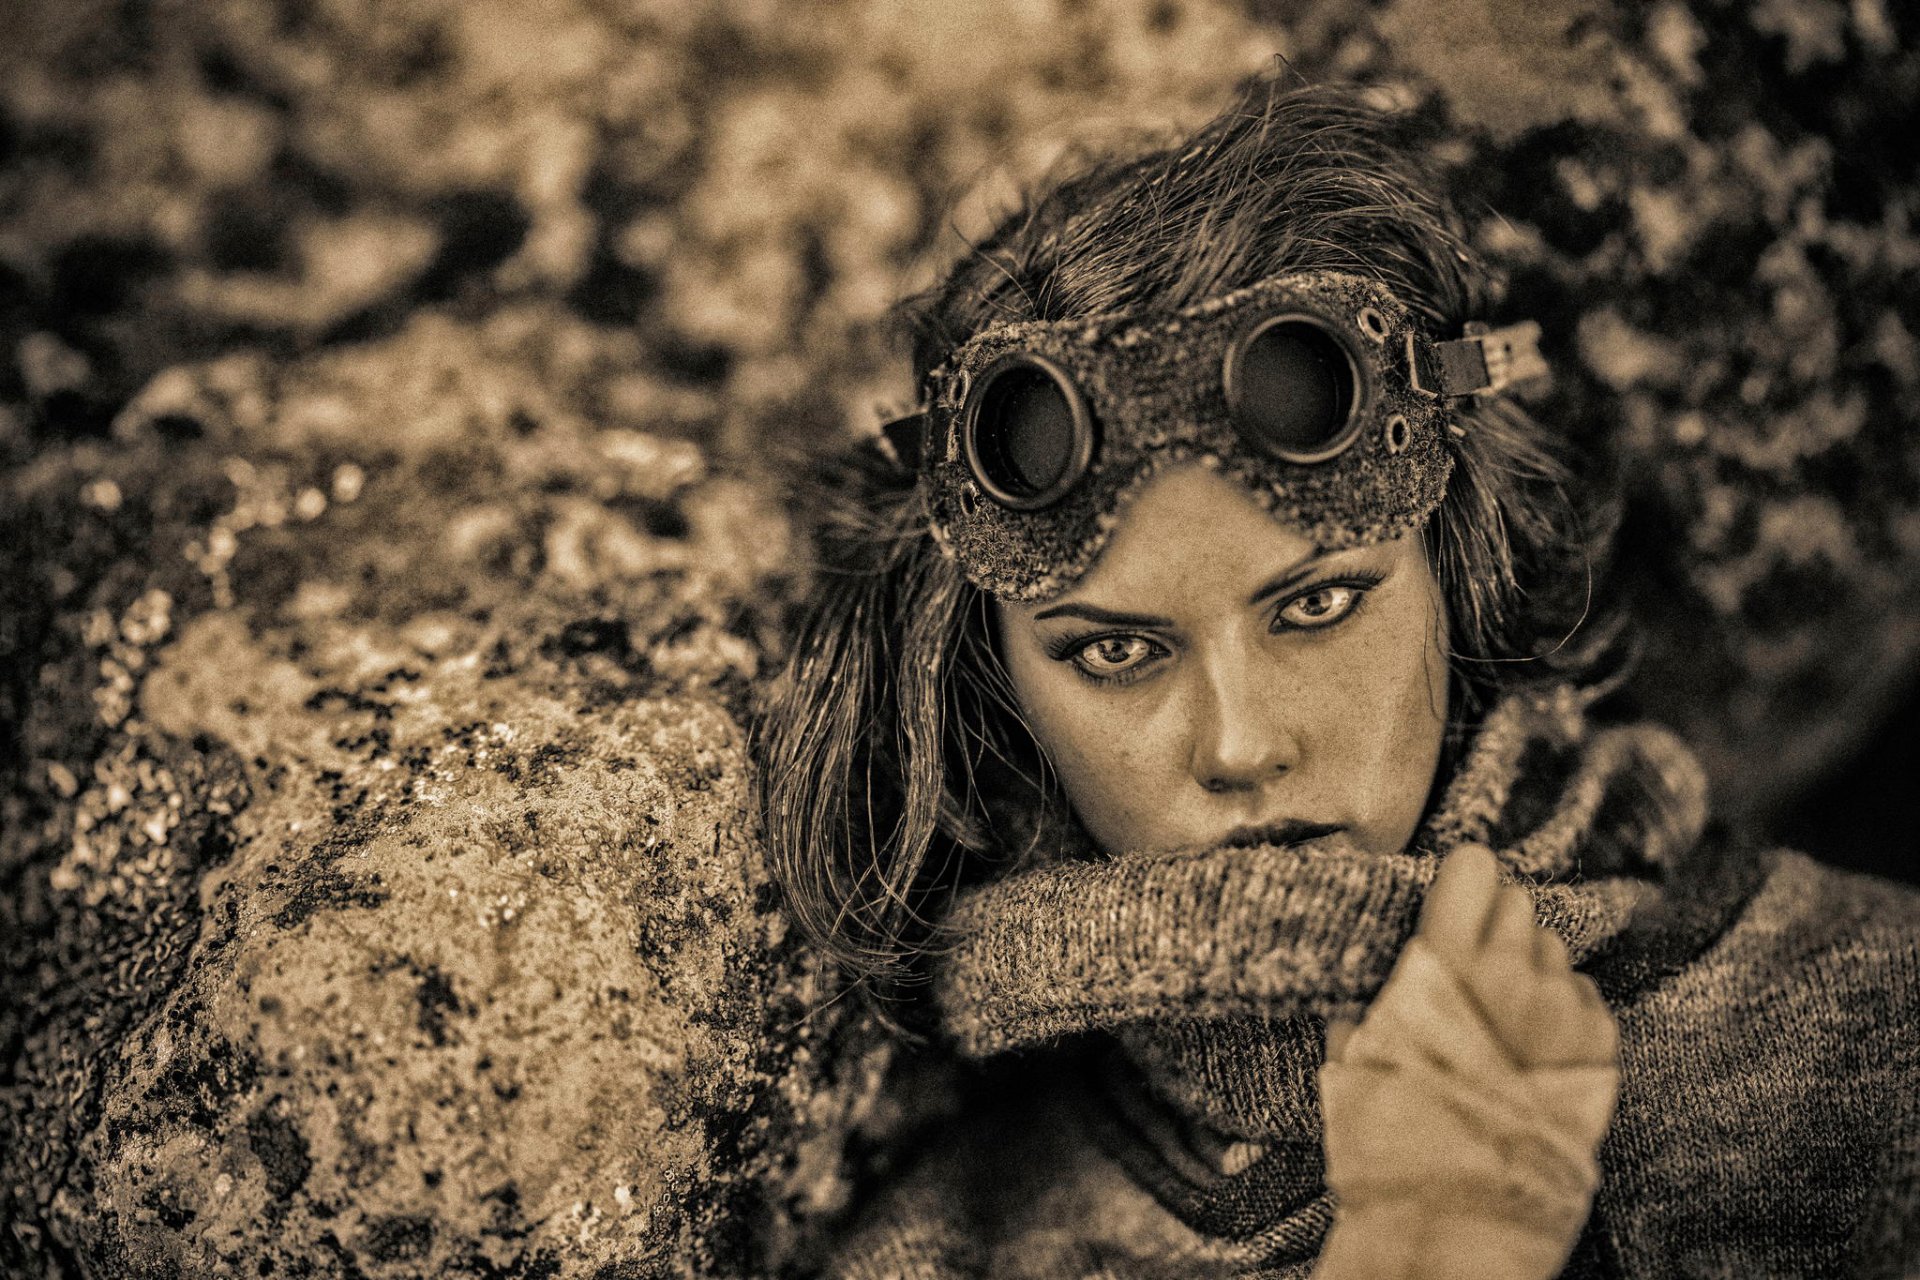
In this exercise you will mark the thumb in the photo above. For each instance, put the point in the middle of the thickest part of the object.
(1459, 905)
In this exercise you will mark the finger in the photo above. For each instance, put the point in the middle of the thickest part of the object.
(1559, 1021)
(1564, 1031)
(1338, 1032)
(1549, 952)
(1463, 892)
(1509, 926)
(1581, 1098)
(1507, 994)
(1605, 1036)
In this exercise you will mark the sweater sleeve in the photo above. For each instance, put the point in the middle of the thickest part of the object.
(1770, 1092)
(1887, 1245)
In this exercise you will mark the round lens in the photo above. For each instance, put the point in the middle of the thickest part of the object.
(1028, 433)
(1292, 388)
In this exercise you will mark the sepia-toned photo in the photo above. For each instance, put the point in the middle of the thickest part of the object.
(936, 639)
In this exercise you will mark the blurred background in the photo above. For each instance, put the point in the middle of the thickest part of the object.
(394, 395)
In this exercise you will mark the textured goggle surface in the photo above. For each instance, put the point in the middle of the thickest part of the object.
(1297, 386)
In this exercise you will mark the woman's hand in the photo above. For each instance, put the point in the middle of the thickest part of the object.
(1464, 1111)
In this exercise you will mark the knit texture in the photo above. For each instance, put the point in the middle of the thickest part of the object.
(1273, 932)
(1172, 1009)
(1154, 387)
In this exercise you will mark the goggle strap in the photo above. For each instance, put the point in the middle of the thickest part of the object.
(905, 438)
(1482, 362)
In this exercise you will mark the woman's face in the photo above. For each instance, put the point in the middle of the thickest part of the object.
(1213, 679)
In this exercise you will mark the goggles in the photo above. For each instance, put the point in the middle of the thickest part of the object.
(1321, 391)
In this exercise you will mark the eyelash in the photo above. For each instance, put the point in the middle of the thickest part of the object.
(1361, 582)
(1067, 648)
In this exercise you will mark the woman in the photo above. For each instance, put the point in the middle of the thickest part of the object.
(1169, 685)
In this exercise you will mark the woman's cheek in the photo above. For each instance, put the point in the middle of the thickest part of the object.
(1113, 757)
(1379, 736)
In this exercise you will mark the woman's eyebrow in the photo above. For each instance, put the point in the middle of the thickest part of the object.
(1105, 617)
(1113, 618)
(1289, 576)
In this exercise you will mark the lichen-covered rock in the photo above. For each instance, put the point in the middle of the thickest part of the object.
(391, 903)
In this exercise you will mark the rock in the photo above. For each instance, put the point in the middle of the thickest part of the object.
(408, 916)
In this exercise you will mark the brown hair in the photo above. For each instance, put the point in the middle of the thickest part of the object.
(894, 736)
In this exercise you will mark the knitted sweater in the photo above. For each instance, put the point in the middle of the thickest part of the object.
(1148, 1030)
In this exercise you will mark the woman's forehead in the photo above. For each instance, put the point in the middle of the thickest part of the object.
(1191, 534)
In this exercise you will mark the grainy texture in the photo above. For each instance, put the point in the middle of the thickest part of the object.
(389, 402)
(1708, 205)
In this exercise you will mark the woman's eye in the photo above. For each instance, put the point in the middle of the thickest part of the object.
(1321, 607)
(1114, 655)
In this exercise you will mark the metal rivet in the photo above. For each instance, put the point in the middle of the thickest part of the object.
(1373, 324)
(1399, 434)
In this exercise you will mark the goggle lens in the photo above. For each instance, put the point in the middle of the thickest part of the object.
(1029, 435)
(1291, 387)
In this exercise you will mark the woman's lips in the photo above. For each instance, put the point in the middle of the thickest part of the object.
(1290, 832)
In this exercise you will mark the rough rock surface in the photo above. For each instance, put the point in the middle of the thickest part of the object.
(399, 909)
(391, 396)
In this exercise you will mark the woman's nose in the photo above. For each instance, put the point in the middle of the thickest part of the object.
(1241, 737)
